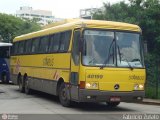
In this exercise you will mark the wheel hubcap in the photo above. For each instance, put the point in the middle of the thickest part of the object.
(63, 94)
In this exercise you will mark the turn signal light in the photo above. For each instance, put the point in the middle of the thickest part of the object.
(82, 84)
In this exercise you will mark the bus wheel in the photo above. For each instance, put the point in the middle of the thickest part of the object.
(112, 104)
(27, 89)
(21, 86)
(4, 79)
(63, 96)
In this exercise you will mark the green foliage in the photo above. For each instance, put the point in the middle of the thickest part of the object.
(153, 69)
(11, 26)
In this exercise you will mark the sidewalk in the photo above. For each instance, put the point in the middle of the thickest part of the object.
(151, 101)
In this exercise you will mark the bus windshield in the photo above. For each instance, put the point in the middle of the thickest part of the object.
(109, 48)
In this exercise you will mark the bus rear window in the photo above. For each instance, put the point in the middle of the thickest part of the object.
(4, 52)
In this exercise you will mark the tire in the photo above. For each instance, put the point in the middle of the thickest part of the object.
(63, 96)
(4, 79)
(112, 104)
(21, 84)
(27, 89)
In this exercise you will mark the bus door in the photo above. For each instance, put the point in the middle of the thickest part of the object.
(75, 60)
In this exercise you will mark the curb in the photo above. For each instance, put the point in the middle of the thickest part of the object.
(151, 102)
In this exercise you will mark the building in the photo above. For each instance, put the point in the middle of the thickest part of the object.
(43, 17)
(87, 13)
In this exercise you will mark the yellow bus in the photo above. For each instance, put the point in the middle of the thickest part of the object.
(83, 61)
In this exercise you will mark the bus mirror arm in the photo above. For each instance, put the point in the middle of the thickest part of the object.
(81, 45)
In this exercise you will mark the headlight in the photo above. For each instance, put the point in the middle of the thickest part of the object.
(88, 85)
(138, 87)
(141, 86)
(92, 85)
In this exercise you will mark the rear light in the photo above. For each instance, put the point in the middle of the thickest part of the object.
(82, 84)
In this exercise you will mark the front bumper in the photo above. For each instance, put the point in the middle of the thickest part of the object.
(104, 96)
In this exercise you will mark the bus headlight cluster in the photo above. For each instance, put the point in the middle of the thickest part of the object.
(92, 85)
(138, 87)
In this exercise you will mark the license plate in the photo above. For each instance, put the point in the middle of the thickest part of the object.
(115, 99)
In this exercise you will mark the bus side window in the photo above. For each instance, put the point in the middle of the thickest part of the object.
(75, 48)
(16, 48)
(4, 52)
(28, 46)
(24, 48)
(44, 44)
(35, 45)
(62, 37)
(21, 47)
(64, 41)
(13, 49)
(56, 42)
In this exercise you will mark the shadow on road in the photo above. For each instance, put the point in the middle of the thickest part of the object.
(89, 107)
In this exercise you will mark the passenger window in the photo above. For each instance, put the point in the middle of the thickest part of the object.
(75, 48)
(54, 42)
(4, 52)
(35, 45)
(21, 47)
(51, 38)
(44, 44)
(24, 49)
(12, 49)
(15, 48)
(28, 46)
(64, 41)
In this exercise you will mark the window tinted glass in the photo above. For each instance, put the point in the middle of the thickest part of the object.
(21, 47)
(62, 40)
(65, 40)
(12, 49)
(35, 45)
(54, 43)
(75, 49)
(28, 46)
(51, 38)
(44, 44)
(24, 48)
(16, 48)
(4, 52)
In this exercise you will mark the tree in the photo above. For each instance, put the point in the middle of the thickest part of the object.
(11, 26)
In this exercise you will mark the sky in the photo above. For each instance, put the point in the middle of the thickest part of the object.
(59, 8)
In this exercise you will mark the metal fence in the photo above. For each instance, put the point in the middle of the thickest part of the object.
(153, 80)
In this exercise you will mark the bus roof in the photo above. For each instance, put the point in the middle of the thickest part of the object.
(5, 44)
(69, 24)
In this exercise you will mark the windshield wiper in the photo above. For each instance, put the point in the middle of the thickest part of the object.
(130, 66)
(109, 55)
(124, 58)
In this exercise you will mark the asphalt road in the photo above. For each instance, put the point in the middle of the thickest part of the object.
(44, 106)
